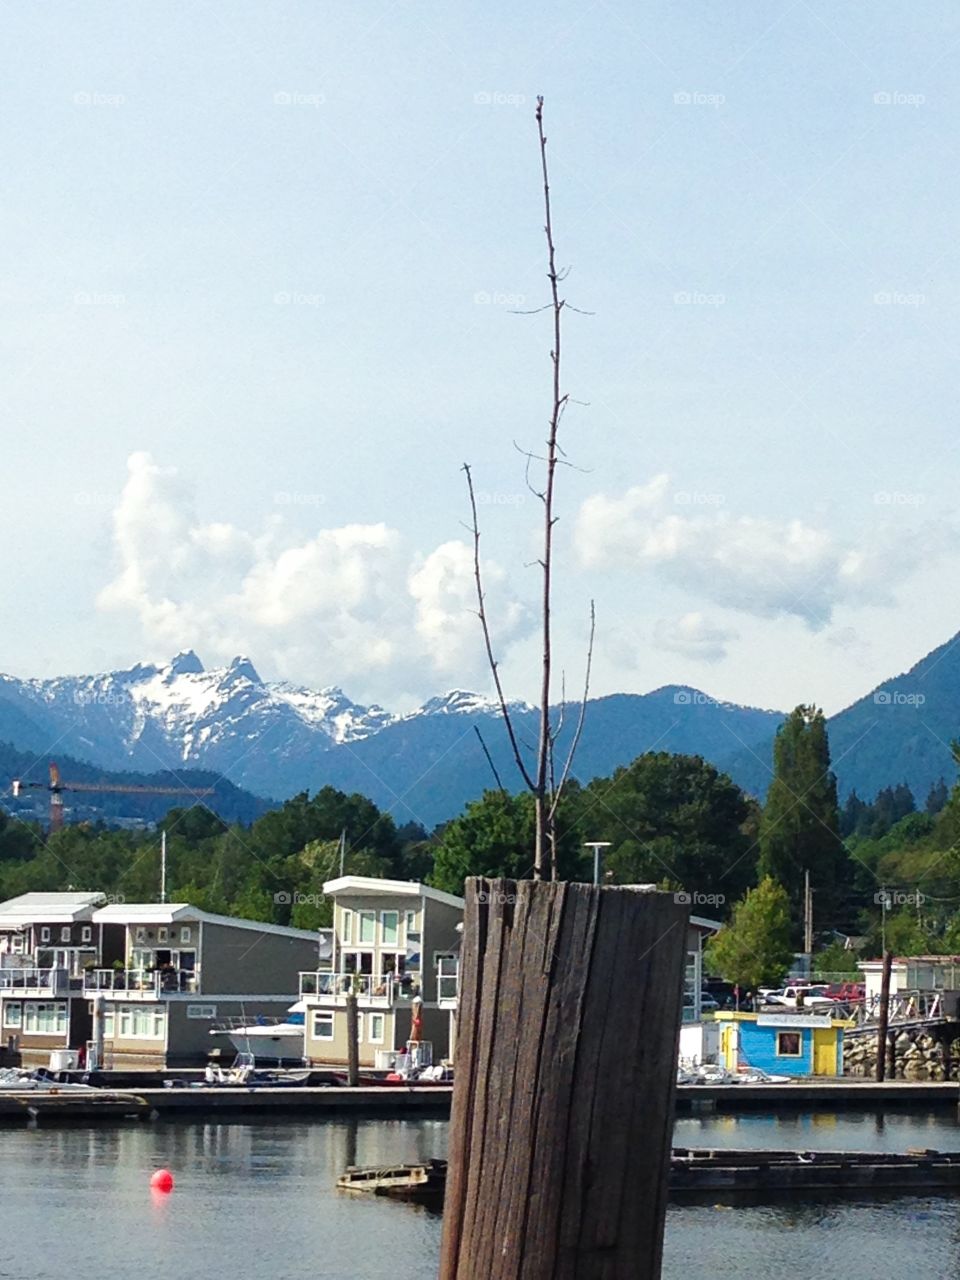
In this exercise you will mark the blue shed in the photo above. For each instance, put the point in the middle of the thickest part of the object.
(788, 1044)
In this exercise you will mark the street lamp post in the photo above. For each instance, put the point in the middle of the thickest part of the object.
(596, 846)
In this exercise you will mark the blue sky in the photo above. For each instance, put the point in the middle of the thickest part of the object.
(261, 263)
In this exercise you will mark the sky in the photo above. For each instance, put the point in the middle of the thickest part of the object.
(263, 265)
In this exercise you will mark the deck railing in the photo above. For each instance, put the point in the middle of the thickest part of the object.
(367, 987)
(148, 982)
(47, 981)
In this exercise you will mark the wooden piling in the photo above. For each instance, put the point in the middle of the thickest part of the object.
(883, 1016)
(560, 1135)
(353, 1045)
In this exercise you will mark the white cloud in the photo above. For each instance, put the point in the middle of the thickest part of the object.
(692, 636)
(347, 602)
(761, 567)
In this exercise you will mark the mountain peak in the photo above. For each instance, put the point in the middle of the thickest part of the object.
(186, 663)
(242, 668)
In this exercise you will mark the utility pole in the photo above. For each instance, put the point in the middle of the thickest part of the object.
(884, 1016)
(163, 866)
(807, 918)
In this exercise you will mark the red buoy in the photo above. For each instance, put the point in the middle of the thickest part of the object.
(162, 1180)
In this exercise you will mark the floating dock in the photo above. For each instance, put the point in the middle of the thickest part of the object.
(39, 1105)
(697, 1173)
(190, 1099)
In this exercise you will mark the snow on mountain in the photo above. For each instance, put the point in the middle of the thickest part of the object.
(182, 713)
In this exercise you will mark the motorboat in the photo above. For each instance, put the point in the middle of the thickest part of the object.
(275, 1041)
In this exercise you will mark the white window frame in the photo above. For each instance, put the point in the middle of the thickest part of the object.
(108, 1024)
(370, 918)
(44, 933)
(65, 933)
(9, 1020)
(325, 1015)
(186, 933)
(375, 1020)
(38, 1023)
(410, 922)
(346, 926)
(86, 933)
(140, 934)
(384, 940)
(790, 1032)
(162, 933)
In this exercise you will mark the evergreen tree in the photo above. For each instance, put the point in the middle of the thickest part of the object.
(852, 815)
(800, 829)
(937, 797)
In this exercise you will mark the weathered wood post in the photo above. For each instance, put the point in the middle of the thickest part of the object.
(560, 1136)
(883, 1017)
(353, 1045)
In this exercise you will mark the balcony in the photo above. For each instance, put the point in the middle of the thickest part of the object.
(35, 982)
(140, 984)
(369, 989)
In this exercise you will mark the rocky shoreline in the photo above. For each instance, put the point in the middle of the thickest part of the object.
(918, 1055)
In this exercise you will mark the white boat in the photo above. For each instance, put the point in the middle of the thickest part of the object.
(277, 1041)
(20, 1080)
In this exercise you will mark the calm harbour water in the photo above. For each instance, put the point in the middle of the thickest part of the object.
(260, 1198)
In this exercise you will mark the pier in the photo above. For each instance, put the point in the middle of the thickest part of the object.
(154, 1099)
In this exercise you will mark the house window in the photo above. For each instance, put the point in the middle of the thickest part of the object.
(376, 1028)
(47, 1018)
(137, 1022)
(347, 928)
(86, 933)
(368, 926)
(140, 935)
(65, 933)
(389, 928)
(45, 933)
(202, 1011)
(789, 1044)
(13, 1013)
(162, 934)
(409, 921)
(322, 1025)
(185, 934)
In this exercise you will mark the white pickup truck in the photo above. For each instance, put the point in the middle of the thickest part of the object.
(789, 998)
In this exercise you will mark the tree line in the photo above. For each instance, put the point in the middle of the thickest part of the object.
(670, 820)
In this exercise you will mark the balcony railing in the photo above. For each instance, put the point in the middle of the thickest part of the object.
(147, 983)
(367, 987)
(53, 982)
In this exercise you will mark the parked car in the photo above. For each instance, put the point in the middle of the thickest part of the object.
(707, 1002)
(800, 997)
(846, 992)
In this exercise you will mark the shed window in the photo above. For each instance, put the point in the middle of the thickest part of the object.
(322, 1025)
(789, 1044)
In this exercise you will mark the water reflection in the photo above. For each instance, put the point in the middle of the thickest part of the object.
(78, 1202)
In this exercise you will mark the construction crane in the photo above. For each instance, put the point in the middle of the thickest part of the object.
(56, 786)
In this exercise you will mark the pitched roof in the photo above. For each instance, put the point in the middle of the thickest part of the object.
(374, 887)
(174, 912)
(55, 908)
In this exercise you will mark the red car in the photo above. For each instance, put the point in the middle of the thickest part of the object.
(845, 992)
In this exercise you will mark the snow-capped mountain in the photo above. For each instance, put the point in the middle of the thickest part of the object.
(268, 736)
(183, 714)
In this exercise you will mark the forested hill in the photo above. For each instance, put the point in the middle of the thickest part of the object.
(229, 802)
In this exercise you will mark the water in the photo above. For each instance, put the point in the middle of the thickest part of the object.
(260, 1199)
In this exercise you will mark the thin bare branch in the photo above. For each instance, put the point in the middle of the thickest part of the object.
(558, 790)
(481, 609)
(493, 767)
(542, 835)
